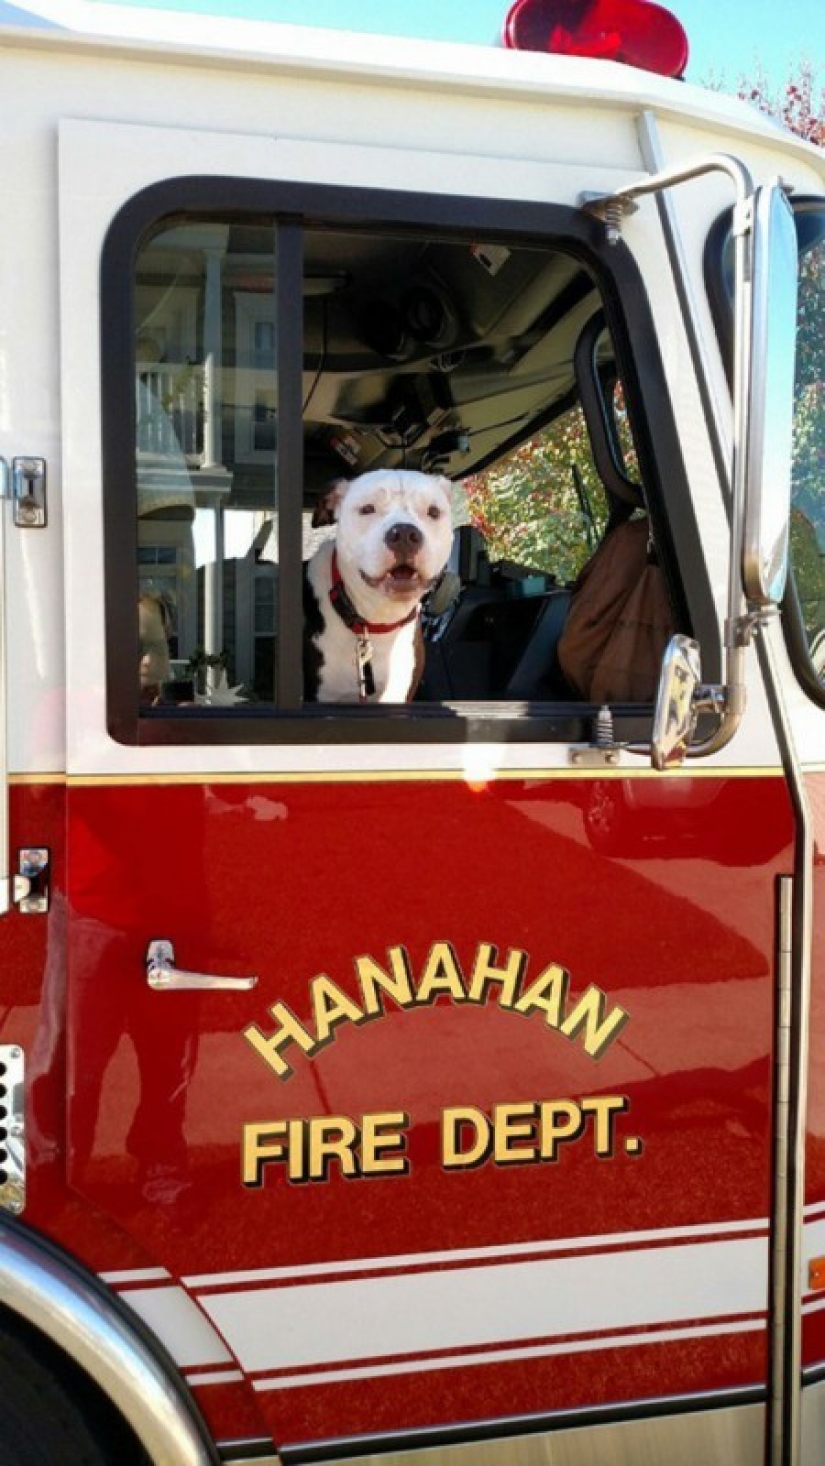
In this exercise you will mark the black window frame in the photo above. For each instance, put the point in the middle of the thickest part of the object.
(293, 206)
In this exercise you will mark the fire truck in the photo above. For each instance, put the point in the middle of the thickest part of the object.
(441, 1082)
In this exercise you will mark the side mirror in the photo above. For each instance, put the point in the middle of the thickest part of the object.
(674, 717)
(765, 321)
(769, 433)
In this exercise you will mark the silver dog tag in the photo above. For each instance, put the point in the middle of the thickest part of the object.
(363, 667)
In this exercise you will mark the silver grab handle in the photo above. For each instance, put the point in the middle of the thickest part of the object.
(163, 975)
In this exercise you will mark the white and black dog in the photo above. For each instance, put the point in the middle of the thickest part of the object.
(363, 590)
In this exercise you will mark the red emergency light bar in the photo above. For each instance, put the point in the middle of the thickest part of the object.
(637, 32)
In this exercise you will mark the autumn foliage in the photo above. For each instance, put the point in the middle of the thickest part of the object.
(799, 105)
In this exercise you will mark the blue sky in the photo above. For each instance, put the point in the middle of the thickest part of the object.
(727, 37)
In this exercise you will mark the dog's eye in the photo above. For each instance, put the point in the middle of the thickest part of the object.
(367, 509)
(434, 512)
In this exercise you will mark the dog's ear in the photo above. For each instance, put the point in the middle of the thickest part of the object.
(446, 485)
(326, 510)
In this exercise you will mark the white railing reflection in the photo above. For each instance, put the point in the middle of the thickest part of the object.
(173, 410)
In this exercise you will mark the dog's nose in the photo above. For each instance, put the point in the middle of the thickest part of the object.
(403, 539)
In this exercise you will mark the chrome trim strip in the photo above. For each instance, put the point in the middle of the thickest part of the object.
(792, 1045)
(728, 1435)
(779, 1337)
(74, 1314)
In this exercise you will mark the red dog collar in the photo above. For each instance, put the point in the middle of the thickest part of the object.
(346, 610)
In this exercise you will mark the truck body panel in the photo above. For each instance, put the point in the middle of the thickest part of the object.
(487, 1159)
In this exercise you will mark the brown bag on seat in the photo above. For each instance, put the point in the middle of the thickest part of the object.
(619, 620)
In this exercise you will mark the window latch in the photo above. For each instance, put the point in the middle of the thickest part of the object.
(28, 492)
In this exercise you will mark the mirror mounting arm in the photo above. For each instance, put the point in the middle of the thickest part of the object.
(612, 208)
(727, 703)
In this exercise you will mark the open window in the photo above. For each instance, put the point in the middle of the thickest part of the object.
(264, 352)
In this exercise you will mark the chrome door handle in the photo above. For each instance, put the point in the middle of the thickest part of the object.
(163, 975)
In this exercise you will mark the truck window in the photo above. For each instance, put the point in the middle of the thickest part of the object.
(206, 461)
(268, 359)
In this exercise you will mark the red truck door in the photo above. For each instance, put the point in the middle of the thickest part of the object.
(489, 1137)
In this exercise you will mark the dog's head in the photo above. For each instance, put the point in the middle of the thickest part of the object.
(394, 530)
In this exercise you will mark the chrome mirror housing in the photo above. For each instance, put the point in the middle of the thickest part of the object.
(768, 428)
(674, 717)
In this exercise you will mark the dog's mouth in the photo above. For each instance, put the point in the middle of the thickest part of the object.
(400, 580)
